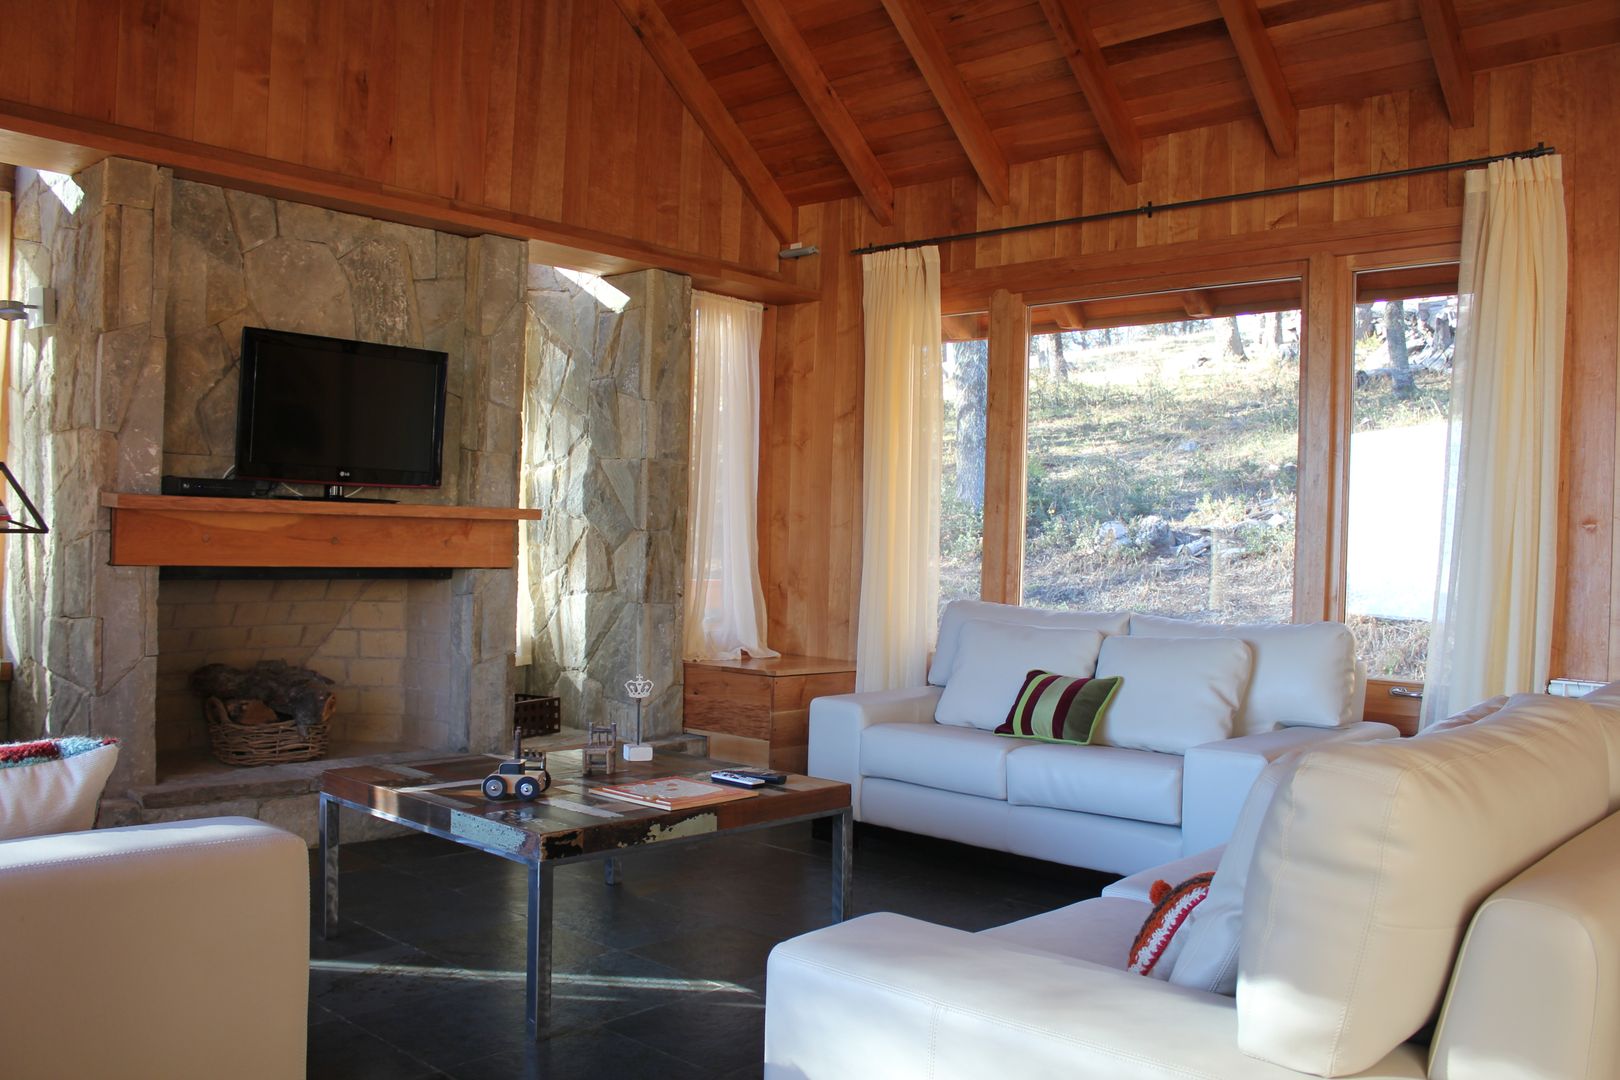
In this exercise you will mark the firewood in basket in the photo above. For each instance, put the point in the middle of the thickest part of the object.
(251, 712)
(295, 693)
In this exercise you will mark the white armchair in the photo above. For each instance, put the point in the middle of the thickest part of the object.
(169, 952)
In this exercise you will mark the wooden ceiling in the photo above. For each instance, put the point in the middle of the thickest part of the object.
(811, 100)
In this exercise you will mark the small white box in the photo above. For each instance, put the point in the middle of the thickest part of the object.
(638, 751)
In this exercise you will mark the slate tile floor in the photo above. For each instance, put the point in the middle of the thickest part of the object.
(661, 976)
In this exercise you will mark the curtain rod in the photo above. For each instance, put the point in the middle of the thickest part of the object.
(1148, 209)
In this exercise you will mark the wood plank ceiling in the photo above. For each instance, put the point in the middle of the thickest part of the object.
(852, 98)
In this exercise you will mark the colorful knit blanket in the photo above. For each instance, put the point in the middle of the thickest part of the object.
(42, 750)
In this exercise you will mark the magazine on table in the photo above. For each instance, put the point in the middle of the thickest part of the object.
(673, 793)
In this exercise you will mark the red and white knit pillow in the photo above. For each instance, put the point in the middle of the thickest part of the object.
(1171, 906)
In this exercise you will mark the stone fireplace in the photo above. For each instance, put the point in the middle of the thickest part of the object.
(156, 277)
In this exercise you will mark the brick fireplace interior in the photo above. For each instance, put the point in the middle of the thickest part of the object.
(383, 643)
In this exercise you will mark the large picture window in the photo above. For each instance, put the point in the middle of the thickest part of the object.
(1160, 464)
(1403, 333)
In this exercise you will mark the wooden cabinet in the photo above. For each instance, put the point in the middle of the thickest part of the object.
(757, 712)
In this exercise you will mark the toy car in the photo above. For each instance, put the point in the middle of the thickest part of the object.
(513, 778)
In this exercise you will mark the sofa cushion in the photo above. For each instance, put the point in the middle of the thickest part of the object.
(1208, 959)
(1098, 931)
(1372, 858)
(1058, 708)
(959, 759)
(1110, 780)
(993, 660)
(53, 785)
(959, 612)
(1176, 693)
(1304, 675)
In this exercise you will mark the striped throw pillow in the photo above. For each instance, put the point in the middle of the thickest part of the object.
(1153, 951)
(1058, 708)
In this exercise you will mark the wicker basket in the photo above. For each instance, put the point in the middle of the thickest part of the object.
(533, 715)
(263, 744)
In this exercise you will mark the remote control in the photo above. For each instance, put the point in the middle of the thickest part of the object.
(767, 775)
(736, 779)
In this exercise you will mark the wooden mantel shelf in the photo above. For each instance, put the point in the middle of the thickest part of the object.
(181, 530)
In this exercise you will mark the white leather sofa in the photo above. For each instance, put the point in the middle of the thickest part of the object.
(156, 952)
(1461, 883)
(1106, 807)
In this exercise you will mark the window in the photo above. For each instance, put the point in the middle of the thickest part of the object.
(961, 502)
(1161, 455)
(1404, 331)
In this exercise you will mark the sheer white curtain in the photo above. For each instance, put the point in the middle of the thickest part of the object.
(725, 609)
(900, 542)
(1492, 629)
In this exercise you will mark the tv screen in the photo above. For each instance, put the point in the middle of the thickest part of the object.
(327, 411)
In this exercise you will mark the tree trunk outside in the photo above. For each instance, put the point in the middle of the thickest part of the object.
(1395, 338)
(973, 377)
(1234, 347)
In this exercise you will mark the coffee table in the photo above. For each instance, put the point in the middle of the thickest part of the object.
(568, 823)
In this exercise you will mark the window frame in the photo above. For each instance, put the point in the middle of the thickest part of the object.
(1327, 311)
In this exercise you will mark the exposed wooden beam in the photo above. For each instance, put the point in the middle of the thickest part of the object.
(928, 51)
(689, 83)
(1068, 21)
(1198, 303)
(1069, 316)
(804, 71)
(1265, 75)
(1450, 61)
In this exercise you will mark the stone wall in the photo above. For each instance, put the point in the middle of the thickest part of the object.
(606, 448)
(155, 278)
(86, 401)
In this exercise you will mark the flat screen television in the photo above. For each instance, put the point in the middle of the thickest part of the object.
(324, 410)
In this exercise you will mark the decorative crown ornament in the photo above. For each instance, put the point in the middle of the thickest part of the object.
(639, 688)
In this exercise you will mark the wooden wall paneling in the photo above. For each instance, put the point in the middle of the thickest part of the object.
(135, 102)
(1006, 435)
(1586, 642)
(322, 87)
(476, 75)
(289, 47)
(456, 109)
(250, 77)
(1324, 418)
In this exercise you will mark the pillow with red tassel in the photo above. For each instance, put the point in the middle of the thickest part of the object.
(1153, 952)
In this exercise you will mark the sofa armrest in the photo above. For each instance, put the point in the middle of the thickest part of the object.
(885, 995)
(185, 944)
(1139, 885)
(836, 723)
(1216, 777)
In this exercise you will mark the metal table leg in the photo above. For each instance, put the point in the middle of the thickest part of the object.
(329, 867)
(611, 872)
(843, 849)
(537, 996)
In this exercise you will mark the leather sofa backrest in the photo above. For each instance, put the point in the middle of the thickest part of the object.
(1374, 856)
(1536, 987)
(958, 612)
(1305, 674)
